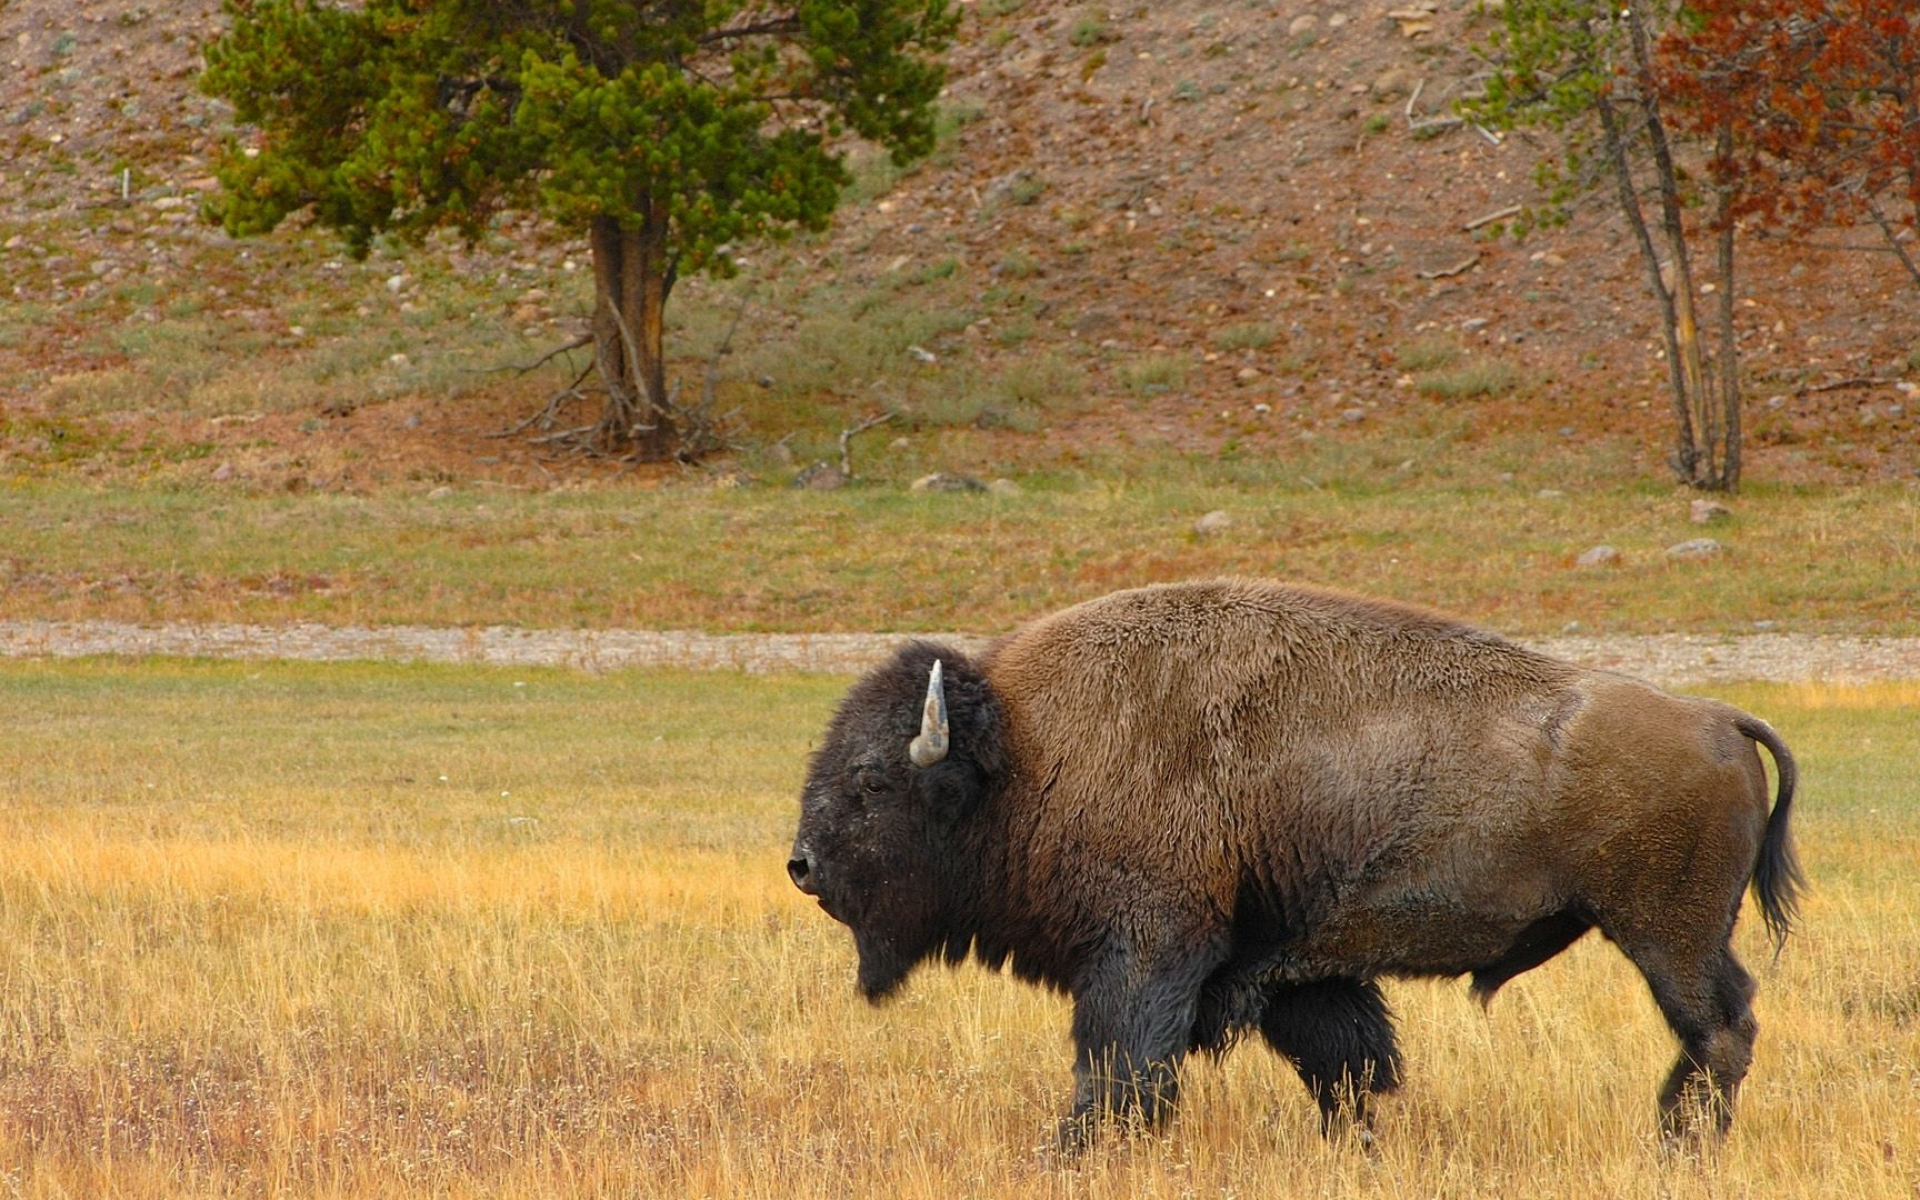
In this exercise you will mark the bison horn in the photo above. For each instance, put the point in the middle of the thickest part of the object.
(931, 746)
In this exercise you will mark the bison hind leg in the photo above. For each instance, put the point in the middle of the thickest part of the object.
(1339, 1036)
(1536, 944)
(1712, 1012)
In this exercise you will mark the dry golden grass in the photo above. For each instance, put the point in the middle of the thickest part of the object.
(277, 931)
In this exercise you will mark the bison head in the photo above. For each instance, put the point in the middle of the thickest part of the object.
(912, 752)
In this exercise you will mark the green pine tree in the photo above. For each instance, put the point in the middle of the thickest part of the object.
(670, 131)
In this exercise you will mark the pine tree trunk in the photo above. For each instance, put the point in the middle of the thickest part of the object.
(633, 276)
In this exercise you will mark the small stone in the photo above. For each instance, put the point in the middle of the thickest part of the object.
(1304, 23)
(1598, 556)
(1216, 522)
(396, 282)
(1695, 548)
(1549, 494)
(1474, 324)
(1247, 374)
(398, 360)
(440, 493)
(1353, 416)
(223, 472)
(1705, 512)
(1392, 83)
(941, 482)
(821, 477)
(899, 443)
(1004, 487)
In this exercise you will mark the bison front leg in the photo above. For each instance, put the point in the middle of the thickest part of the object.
(1131, 1020)
(1339, 1035)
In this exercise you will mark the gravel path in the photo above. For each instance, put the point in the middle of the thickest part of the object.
(1664, 658)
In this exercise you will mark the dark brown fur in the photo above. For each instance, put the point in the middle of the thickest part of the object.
(1212, 808)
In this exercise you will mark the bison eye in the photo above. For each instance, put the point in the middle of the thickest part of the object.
(872, 783)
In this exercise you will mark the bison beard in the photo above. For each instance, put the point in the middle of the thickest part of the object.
(1214, 809)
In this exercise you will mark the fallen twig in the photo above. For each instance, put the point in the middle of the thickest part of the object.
(1511, 210)
(546, 416)
(563, 435)
(1837, 385)
(847, 436)
(585, 339)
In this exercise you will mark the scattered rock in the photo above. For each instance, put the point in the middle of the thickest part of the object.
(1216, 522)
(1304, 23)
(1414, 19)
(941, 482)
(1695, 548)
(1093, 323)
(821, 477)
(1004, 487)
(440, 493)
(1598, 556)
(1706, 512)
(1392, 83)
(223, 472)
(1353, 416)
(1549, 494)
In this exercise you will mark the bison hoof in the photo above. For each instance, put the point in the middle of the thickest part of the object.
(1074, 1135)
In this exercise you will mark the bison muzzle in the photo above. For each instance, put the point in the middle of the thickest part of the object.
(1208, 809)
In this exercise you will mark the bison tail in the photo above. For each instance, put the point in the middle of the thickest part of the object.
(1777, 881)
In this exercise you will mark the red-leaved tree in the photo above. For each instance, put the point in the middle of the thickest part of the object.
(1813, 107)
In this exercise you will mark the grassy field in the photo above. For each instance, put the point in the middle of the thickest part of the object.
(1453, 534)
(356, 930)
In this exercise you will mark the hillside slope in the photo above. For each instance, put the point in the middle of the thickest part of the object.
(1217, 225)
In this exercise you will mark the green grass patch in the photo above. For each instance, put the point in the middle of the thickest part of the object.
(1428, 354)
(1471, 378)
(1444, 531)
(1154, 374)
(1245, 335)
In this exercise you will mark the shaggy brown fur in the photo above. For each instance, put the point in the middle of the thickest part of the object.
(1211, 808)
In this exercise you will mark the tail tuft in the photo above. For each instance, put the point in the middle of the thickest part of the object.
(1777, 880)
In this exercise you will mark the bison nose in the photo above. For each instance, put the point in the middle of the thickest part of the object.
(800, 870)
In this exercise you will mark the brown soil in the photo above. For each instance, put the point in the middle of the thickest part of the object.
(1166, 170)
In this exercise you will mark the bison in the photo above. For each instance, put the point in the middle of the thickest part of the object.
(1211, 808)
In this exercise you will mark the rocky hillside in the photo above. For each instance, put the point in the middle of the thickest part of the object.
(1245, 223)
